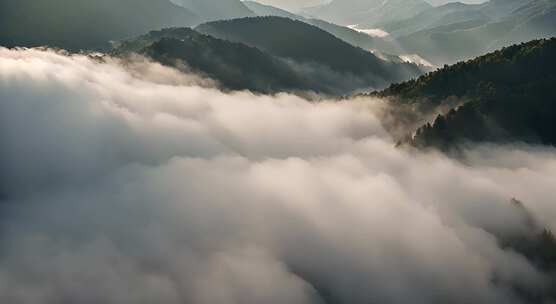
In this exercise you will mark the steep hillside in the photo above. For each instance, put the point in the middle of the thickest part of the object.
(84, 24)
(508, 95)
(309, 45)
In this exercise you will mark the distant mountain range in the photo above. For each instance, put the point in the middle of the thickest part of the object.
(456, 31)
(349, 35)
(504, 96)
(367, 13)
(394, 30)
(444, 34)
(85, 24)
(440, 35)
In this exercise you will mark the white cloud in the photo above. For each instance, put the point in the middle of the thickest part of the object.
(127, 187)
(376, 32)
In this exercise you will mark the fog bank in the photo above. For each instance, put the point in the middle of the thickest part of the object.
(135, 183)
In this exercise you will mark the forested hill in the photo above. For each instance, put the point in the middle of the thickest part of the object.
(509, 95)
(234, 65)
(305, 43)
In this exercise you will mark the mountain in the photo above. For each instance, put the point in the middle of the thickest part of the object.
(210, 10)
(453, 13)
(234, 65)
(367, 13)
(504, 96)
(349, 35)
(84, 24)
(537, 19)
(359, 38)
(457, 31)
(311, 48)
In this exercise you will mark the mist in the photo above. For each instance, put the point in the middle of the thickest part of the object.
(135, 183)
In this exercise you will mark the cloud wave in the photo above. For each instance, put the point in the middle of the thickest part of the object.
(135, 183)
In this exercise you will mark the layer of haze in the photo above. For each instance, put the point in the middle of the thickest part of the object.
(132, 183)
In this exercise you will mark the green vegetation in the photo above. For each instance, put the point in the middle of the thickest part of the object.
(509, 96)
(538, 245)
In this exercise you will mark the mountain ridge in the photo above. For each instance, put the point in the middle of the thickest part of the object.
(305, 43)
(504, 96)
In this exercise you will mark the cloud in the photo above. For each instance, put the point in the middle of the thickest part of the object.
(119, 186)
(373, 32)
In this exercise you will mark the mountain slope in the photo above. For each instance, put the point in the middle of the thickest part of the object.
(84, 24)
(234, 65)
(507, 95)
(452, 13)
(210, 10)
(310, 46)
(536, 20)
(457, 32)
(345, 33)
(367, 13)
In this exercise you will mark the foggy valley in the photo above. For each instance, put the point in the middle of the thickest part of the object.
(212, 152)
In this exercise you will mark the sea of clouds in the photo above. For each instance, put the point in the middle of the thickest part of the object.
(129, 182)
